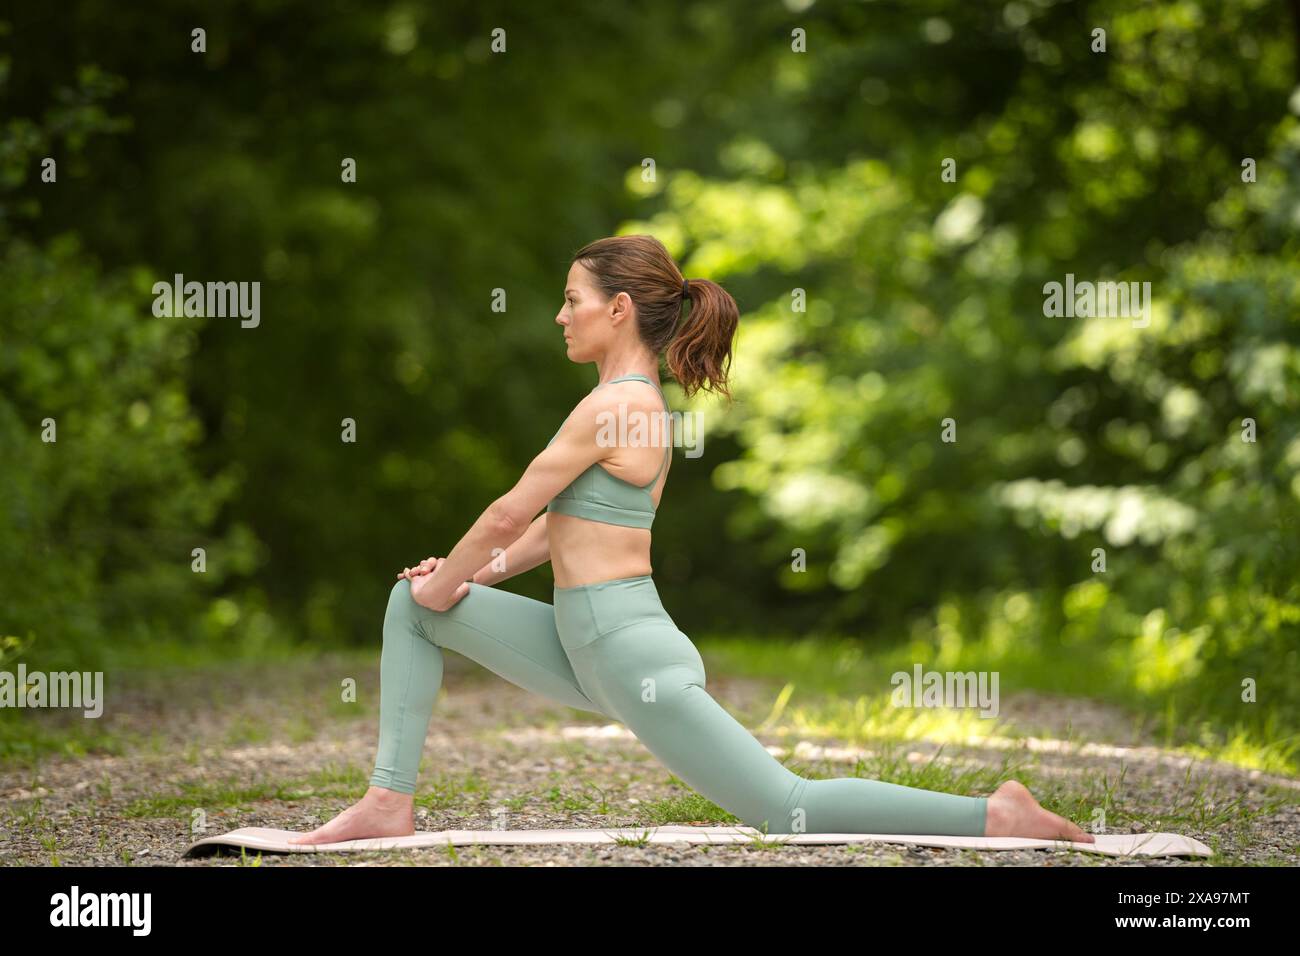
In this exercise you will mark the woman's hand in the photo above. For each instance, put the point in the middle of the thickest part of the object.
(424, 567)
(420, 588)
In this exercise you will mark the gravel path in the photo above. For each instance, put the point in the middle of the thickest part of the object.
(273, 746)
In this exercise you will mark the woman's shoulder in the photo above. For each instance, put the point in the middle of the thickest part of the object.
(608, 403)
(631, 397)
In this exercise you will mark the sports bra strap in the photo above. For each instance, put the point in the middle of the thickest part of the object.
(668, 448)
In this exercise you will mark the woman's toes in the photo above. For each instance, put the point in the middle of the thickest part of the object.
(1083, 836)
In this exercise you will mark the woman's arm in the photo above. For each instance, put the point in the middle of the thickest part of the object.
(509, 518)
(528, 552)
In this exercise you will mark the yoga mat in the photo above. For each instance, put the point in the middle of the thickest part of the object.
(1110, 844)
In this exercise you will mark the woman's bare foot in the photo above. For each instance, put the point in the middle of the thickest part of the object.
(379, 813)
(1012, 811)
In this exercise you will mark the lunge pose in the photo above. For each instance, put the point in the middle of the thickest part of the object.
(606, 644)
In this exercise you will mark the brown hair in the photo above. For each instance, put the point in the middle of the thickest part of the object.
(698, 343)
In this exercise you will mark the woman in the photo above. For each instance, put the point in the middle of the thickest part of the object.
(607, 645)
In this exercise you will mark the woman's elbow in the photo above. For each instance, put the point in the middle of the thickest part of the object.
(505, 517)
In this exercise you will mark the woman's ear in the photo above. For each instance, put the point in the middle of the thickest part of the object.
(621, 307)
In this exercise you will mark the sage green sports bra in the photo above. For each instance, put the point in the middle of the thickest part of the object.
(600, 496)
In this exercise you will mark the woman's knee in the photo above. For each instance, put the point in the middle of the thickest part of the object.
(402, 611)
(400, 595)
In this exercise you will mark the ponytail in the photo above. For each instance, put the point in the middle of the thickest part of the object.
(700, 351)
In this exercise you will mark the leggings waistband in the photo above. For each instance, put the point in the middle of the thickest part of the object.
(589, 611)
(617, 583)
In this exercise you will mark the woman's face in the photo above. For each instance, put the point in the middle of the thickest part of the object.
(585, 316)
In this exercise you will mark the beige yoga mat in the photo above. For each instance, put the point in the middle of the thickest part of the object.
(268, 840)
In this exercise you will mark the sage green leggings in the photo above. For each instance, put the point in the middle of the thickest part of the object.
(612, 649)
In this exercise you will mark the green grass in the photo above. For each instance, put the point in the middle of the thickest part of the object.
(26, 735)
(688, 808)
(443, 791)
(216, 796)
(832, 687)
(838, 688)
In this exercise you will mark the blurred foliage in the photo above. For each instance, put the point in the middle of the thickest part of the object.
(775, 172)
